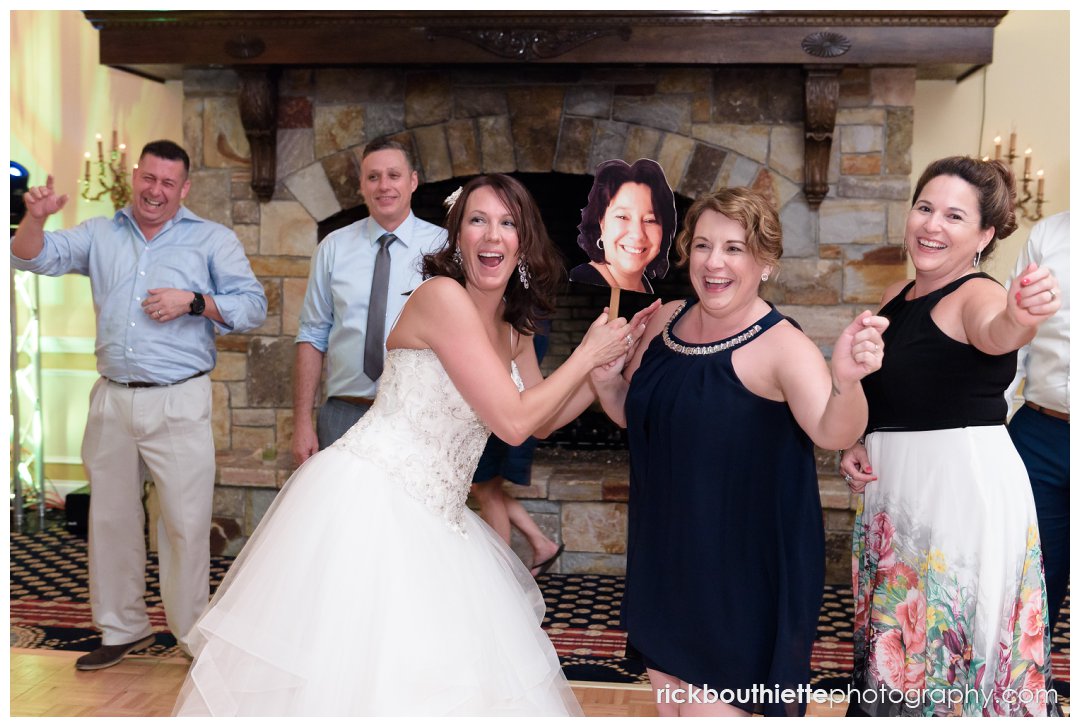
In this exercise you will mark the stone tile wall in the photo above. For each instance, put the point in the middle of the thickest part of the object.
(726, 126)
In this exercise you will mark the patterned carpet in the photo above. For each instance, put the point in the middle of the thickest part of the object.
(50, 610)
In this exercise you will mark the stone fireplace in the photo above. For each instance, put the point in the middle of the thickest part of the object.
(812, 109)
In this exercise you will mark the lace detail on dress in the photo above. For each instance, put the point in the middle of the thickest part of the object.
(422, 433)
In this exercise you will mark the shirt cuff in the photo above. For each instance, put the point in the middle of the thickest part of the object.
(315, 336)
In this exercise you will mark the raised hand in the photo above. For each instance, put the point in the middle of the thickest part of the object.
(612, 370)
(1033, 296)
(639, 323)
(42, 201)
(606, 341)
(859, 350)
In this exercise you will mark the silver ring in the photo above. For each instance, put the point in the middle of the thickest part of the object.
(1053, 295)
(629, 340)
(848, 479)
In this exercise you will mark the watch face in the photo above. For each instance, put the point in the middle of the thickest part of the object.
(198, 305)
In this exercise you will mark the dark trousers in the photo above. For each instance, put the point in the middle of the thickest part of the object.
(334, 418)
(1043, 444)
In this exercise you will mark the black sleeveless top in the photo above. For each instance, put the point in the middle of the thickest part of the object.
(928, 380)
(726, 549)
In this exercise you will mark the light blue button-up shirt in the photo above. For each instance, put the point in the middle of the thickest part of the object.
(334, 316)
(188, 253)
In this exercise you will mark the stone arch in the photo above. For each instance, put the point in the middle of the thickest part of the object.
(766, 158)
(731, 156)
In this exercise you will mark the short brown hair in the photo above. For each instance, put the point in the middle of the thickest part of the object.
(525, 307)
(764, 237)
(384, 142)
(995, 189)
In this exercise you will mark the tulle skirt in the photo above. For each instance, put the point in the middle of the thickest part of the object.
(352, 598)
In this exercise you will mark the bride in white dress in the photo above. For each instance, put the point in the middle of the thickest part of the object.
(370, 588)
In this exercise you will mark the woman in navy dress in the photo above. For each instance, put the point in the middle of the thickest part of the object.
(724, 402)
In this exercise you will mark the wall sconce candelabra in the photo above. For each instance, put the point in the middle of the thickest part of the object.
(1024, 198)
(112, 176)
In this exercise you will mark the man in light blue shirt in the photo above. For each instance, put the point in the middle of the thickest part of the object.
(335, 316)
(162, 279)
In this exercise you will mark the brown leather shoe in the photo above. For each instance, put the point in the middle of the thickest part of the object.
(105, 656)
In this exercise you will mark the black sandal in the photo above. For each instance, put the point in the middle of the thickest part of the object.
(544, 567)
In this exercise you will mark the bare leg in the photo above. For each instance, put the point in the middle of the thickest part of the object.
(492, 501)
(542, 546)
(663, 685)
(711, 709)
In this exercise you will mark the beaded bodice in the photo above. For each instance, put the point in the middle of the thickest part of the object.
(423, 433)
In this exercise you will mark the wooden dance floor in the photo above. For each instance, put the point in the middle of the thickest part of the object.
(46, 684)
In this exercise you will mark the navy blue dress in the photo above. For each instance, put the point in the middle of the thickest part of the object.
(726, 552)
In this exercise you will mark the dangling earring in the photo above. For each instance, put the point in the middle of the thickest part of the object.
(764, 277)
(523, 272)
(457, 256)
(978, 259)
(600, 243)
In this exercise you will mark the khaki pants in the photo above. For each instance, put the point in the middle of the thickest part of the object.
(166, 430)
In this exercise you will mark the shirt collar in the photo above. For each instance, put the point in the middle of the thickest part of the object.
(182, 214)
(403, 232)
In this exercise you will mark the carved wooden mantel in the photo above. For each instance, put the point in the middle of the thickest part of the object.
(258, 44)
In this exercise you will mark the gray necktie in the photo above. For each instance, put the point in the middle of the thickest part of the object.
(374, 342)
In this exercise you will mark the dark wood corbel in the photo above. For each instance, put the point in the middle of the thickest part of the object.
(258, 114)
(822, 99)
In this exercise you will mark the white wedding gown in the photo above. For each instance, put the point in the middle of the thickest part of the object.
(370, 588)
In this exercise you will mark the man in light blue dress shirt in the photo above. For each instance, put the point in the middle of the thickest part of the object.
(333, 321)
(162, 279)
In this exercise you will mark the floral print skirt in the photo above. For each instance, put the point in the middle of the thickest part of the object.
(950, 614)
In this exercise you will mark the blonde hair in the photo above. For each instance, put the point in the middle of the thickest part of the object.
(764, 238)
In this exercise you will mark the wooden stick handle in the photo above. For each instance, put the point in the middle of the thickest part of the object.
(613, 304)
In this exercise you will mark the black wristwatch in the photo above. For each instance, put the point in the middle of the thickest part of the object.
(198, 305)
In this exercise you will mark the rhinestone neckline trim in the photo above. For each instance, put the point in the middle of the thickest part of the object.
(702, 350)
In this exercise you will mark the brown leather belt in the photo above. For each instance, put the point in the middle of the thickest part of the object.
(355, 400)
(1062, 415)
(152, 384)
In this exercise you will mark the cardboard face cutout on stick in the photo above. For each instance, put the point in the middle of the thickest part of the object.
(627, 227)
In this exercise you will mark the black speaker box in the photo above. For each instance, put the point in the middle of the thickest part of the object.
(77, 512)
